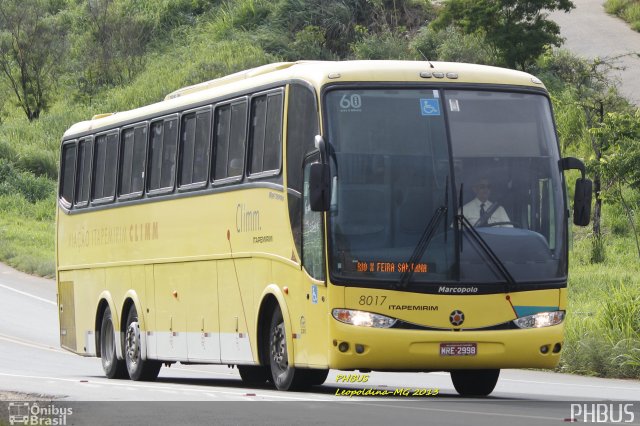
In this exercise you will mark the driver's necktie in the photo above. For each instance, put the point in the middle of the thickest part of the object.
(482, 211)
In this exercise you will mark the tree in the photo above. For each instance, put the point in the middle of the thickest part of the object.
(620, 163)
(347, 22)
(591, 91)
(31, 45)
(518, 30)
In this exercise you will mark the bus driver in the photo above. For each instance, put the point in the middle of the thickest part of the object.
(482, 212)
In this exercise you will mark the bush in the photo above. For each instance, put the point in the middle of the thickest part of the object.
(32, 188)
(40, 163)
(7, 152)
(452, 45)
(382, 46)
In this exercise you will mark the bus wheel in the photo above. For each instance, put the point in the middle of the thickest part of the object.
(138, 368)
(254, 374)
(316, 377)
(112, 366)
(284, 376)
(474, 382)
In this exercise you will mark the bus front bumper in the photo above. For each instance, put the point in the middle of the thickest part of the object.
(363, 348)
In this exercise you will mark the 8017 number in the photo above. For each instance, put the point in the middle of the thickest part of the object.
(371, 300)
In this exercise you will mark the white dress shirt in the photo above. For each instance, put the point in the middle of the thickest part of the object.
(471, 211)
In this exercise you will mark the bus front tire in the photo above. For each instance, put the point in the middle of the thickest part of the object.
(316, 377)
(138, 369)
(113, 367)
(285, 377)
(474, 382)
(254, 374)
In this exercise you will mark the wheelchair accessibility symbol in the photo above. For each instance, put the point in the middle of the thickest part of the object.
(429, 107)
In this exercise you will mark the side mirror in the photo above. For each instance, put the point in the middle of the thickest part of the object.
(582, 195)
(582, 202)
(319, 187)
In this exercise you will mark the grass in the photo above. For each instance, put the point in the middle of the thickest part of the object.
(629, 10)
(603, 321)
(27, 234)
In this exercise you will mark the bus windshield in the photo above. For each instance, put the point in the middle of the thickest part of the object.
(411, 162)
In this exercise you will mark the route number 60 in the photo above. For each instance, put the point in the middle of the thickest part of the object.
(350, 102)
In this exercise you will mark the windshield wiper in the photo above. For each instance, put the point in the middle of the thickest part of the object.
(421, 247)
(493, 257)
(425, 238)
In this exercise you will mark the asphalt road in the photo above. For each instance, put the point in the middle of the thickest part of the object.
(590, 32)
(32, 364)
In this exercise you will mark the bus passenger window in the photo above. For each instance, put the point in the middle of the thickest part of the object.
(266, 131)
(132, 160)
(162, 154)
(194, 147)
(230, 136)
(258, 122)
(84, 172)
(68, 173)
(187, 142)
(237, 137)
(105, 164)
(221, 143)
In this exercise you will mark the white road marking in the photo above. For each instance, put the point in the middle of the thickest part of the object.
(28, 295)
(133, 386)
(35, 345)
(442, 410)
(567, 384)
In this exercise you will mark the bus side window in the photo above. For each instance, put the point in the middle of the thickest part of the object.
(312, 247)
(237, 138)
(302, 127)
(105, 165)
(266, 133)
(194, 148)
(162, 155)
(85, 147)
(221, 143)
(69, 151)
(132, 160)
(230, 135)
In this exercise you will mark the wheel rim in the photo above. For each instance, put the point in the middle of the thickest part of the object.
(279, 347)
(132, 343)
(108, 345)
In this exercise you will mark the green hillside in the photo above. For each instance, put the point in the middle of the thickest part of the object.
(86, 58)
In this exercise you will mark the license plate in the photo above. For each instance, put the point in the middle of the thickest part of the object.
(458, 349)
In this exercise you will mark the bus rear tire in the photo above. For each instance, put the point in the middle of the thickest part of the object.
(474, 382)
(113, 367)
(138, 369)
(254, 374)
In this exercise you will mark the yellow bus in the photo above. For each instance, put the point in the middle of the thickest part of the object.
(300, 217)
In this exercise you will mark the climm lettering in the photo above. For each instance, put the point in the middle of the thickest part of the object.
(113, 235)
(143, 232)
(247, 220)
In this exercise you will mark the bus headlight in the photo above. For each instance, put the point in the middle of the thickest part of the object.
(542, 319)
(363, 319)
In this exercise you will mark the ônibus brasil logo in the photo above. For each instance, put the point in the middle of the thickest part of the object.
(26, 413)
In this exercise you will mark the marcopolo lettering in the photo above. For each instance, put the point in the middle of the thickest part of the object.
(457, 290)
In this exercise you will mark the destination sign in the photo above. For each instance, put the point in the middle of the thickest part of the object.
(402, 267)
